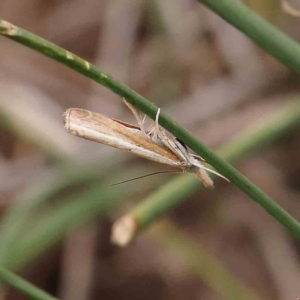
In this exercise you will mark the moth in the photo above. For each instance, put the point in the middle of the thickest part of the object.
(154, 143)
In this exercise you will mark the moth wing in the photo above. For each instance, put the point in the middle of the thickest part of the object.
(98, 128)
(128, 125)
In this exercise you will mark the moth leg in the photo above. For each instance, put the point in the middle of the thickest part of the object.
(141, 121)
(152, 131)
(197, 156)
(169, 142)
(159, 133)
(153, 135)
(144, 119)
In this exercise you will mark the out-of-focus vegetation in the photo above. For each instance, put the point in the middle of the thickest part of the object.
(57, 206)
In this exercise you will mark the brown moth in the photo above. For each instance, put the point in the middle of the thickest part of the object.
(154, 144)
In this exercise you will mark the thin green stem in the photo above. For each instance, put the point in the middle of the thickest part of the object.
(177, 190)
(23, 286)
(49, 49)
(264, 34)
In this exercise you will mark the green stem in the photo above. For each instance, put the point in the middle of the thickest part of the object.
(264, 34)
(177, 190)
(49, 49)
(80, 65)
(23, 286)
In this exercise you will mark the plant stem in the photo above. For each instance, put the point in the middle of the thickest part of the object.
(22, 285)
(264, 34)
(176, 191)
(49, 49)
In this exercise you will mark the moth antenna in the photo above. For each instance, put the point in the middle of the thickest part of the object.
(143, 176)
